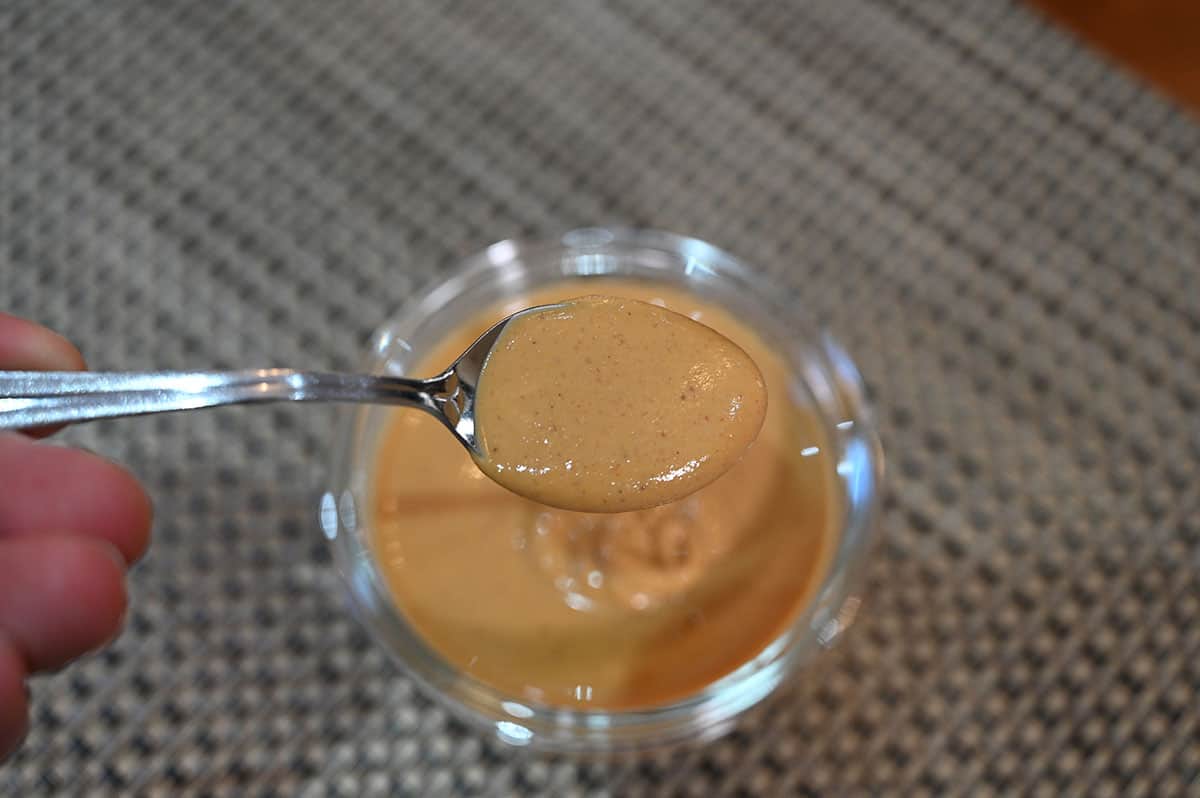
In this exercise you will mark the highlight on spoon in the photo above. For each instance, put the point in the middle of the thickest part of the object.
(601, 404)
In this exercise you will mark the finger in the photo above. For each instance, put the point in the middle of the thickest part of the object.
(61, 597)
(28, 346)
(25, 346)
(14, 705)
(51, 487)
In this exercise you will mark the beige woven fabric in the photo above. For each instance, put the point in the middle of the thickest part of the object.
(1001, 229)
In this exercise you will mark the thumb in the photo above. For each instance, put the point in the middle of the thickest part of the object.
(25, 346)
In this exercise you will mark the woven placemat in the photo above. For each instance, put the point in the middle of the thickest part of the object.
(1000, 227)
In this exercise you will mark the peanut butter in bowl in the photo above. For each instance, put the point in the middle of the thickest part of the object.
(686, 572)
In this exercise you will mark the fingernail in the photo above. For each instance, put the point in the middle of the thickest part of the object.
(114, 553)
(53, 352)
(119, 559)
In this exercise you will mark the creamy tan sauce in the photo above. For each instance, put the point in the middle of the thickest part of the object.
(609, 610)
(606, 404)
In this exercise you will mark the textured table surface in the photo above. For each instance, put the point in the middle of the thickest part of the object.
(1001, 228)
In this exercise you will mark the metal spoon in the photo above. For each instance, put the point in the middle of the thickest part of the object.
(43, 398)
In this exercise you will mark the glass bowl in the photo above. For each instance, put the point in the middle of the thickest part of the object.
(824, 377)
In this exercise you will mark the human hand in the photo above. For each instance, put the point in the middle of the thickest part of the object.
(70, 524)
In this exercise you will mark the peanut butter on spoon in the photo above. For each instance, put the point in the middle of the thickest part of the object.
(602, 404)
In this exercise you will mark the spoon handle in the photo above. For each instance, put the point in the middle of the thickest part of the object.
(40, 398)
